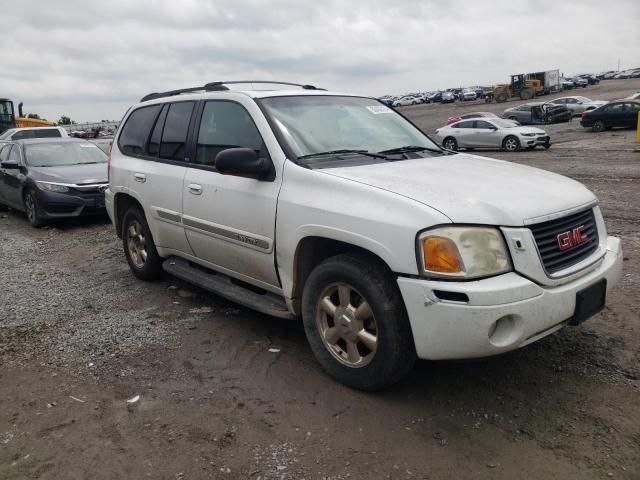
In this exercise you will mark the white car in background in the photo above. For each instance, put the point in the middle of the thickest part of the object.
(578, 104)
(32, 132)
(403, 101)
(468, 94)
(491, 133)
(633, 96)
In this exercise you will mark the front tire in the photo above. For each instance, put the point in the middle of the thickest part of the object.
(32, 209)
(450, 143)
(356, 322)
(139, 249)
(511, 144)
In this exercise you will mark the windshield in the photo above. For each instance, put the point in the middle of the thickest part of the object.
(504, 123)
(583, 99)
(315, 124)
(7, 134)
(63, 154)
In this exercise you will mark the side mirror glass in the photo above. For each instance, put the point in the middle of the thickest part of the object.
(242, 162)
(10, 165)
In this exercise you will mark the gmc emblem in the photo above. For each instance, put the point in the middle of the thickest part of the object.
(572, 238)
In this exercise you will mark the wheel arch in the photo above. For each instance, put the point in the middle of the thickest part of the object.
(311, 251)
(122, 202)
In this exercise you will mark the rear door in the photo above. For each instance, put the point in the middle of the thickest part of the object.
(463, 133)
(154, 142)
(230, 220)
(12, 180)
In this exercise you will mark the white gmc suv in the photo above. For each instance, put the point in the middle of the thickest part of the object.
(337, 209)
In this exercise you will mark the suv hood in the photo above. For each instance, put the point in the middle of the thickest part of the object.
(473, 189)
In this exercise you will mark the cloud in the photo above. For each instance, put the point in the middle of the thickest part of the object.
(91, 60)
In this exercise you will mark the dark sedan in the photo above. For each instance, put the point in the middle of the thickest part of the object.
(622, 113)
(49, 179)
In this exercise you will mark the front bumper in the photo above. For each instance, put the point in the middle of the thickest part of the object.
(502, 313)
(536, 141)
(54, 205)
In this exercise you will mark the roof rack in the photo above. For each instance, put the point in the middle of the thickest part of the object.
(221, 86)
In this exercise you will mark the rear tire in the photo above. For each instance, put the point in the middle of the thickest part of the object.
(598, 126)
(356, 323)
(139, 249)
(511, 144)
(450, 143)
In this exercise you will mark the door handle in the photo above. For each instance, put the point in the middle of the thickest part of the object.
(195, 189)
(140, 177)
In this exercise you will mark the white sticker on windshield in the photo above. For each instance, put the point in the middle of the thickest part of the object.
(376, 109)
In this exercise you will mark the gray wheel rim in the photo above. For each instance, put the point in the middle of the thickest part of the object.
(510, 144)
(450, 145)
(30, 205)
(346, 325)
(137, 244)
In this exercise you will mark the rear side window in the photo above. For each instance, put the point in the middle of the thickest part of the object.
(466, 124)
(47, 133)
(154, 142)
(21, 135)
(176, 127)
(137, 129)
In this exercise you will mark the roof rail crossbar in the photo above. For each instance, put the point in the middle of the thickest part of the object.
(216, 86)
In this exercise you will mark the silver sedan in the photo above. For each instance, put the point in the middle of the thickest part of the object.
(491, 133)
(578, 104)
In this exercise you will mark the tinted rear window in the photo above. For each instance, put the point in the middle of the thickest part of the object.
(176, 126)
(136, 131)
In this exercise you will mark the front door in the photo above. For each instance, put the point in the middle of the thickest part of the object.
(12, 179)
(230, 220)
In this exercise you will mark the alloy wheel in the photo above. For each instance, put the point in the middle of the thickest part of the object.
(30, 206)
(346, 325)
(511, 145)
(137, 244)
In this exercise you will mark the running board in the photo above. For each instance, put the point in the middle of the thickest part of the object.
(220, 284)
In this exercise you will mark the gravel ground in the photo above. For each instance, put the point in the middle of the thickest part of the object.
(228, 393)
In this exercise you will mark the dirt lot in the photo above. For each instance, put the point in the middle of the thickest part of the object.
(79, 336)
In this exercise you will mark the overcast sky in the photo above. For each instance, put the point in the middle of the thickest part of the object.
(92, 59)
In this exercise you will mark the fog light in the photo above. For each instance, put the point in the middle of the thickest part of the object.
(504, 331)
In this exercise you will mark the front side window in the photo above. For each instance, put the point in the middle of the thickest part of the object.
(322, 123)
(615, 108)
(174, 135)
(225, 125)
(483, 125)
(136, 131)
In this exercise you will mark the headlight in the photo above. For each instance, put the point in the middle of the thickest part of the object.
(528, 134)
(463, 252)
(52, 187)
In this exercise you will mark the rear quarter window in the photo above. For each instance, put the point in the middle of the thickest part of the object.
(137, 129)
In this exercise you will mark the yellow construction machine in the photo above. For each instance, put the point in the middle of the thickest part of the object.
(521, 85)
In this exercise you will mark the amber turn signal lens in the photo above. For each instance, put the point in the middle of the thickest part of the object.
(441, 255)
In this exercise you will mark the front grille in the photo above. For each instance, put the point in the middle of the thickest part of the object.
(546, 235)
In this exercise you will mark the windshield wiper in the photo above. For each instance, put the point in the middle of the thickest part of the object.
(411, 148)
(342, 151)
